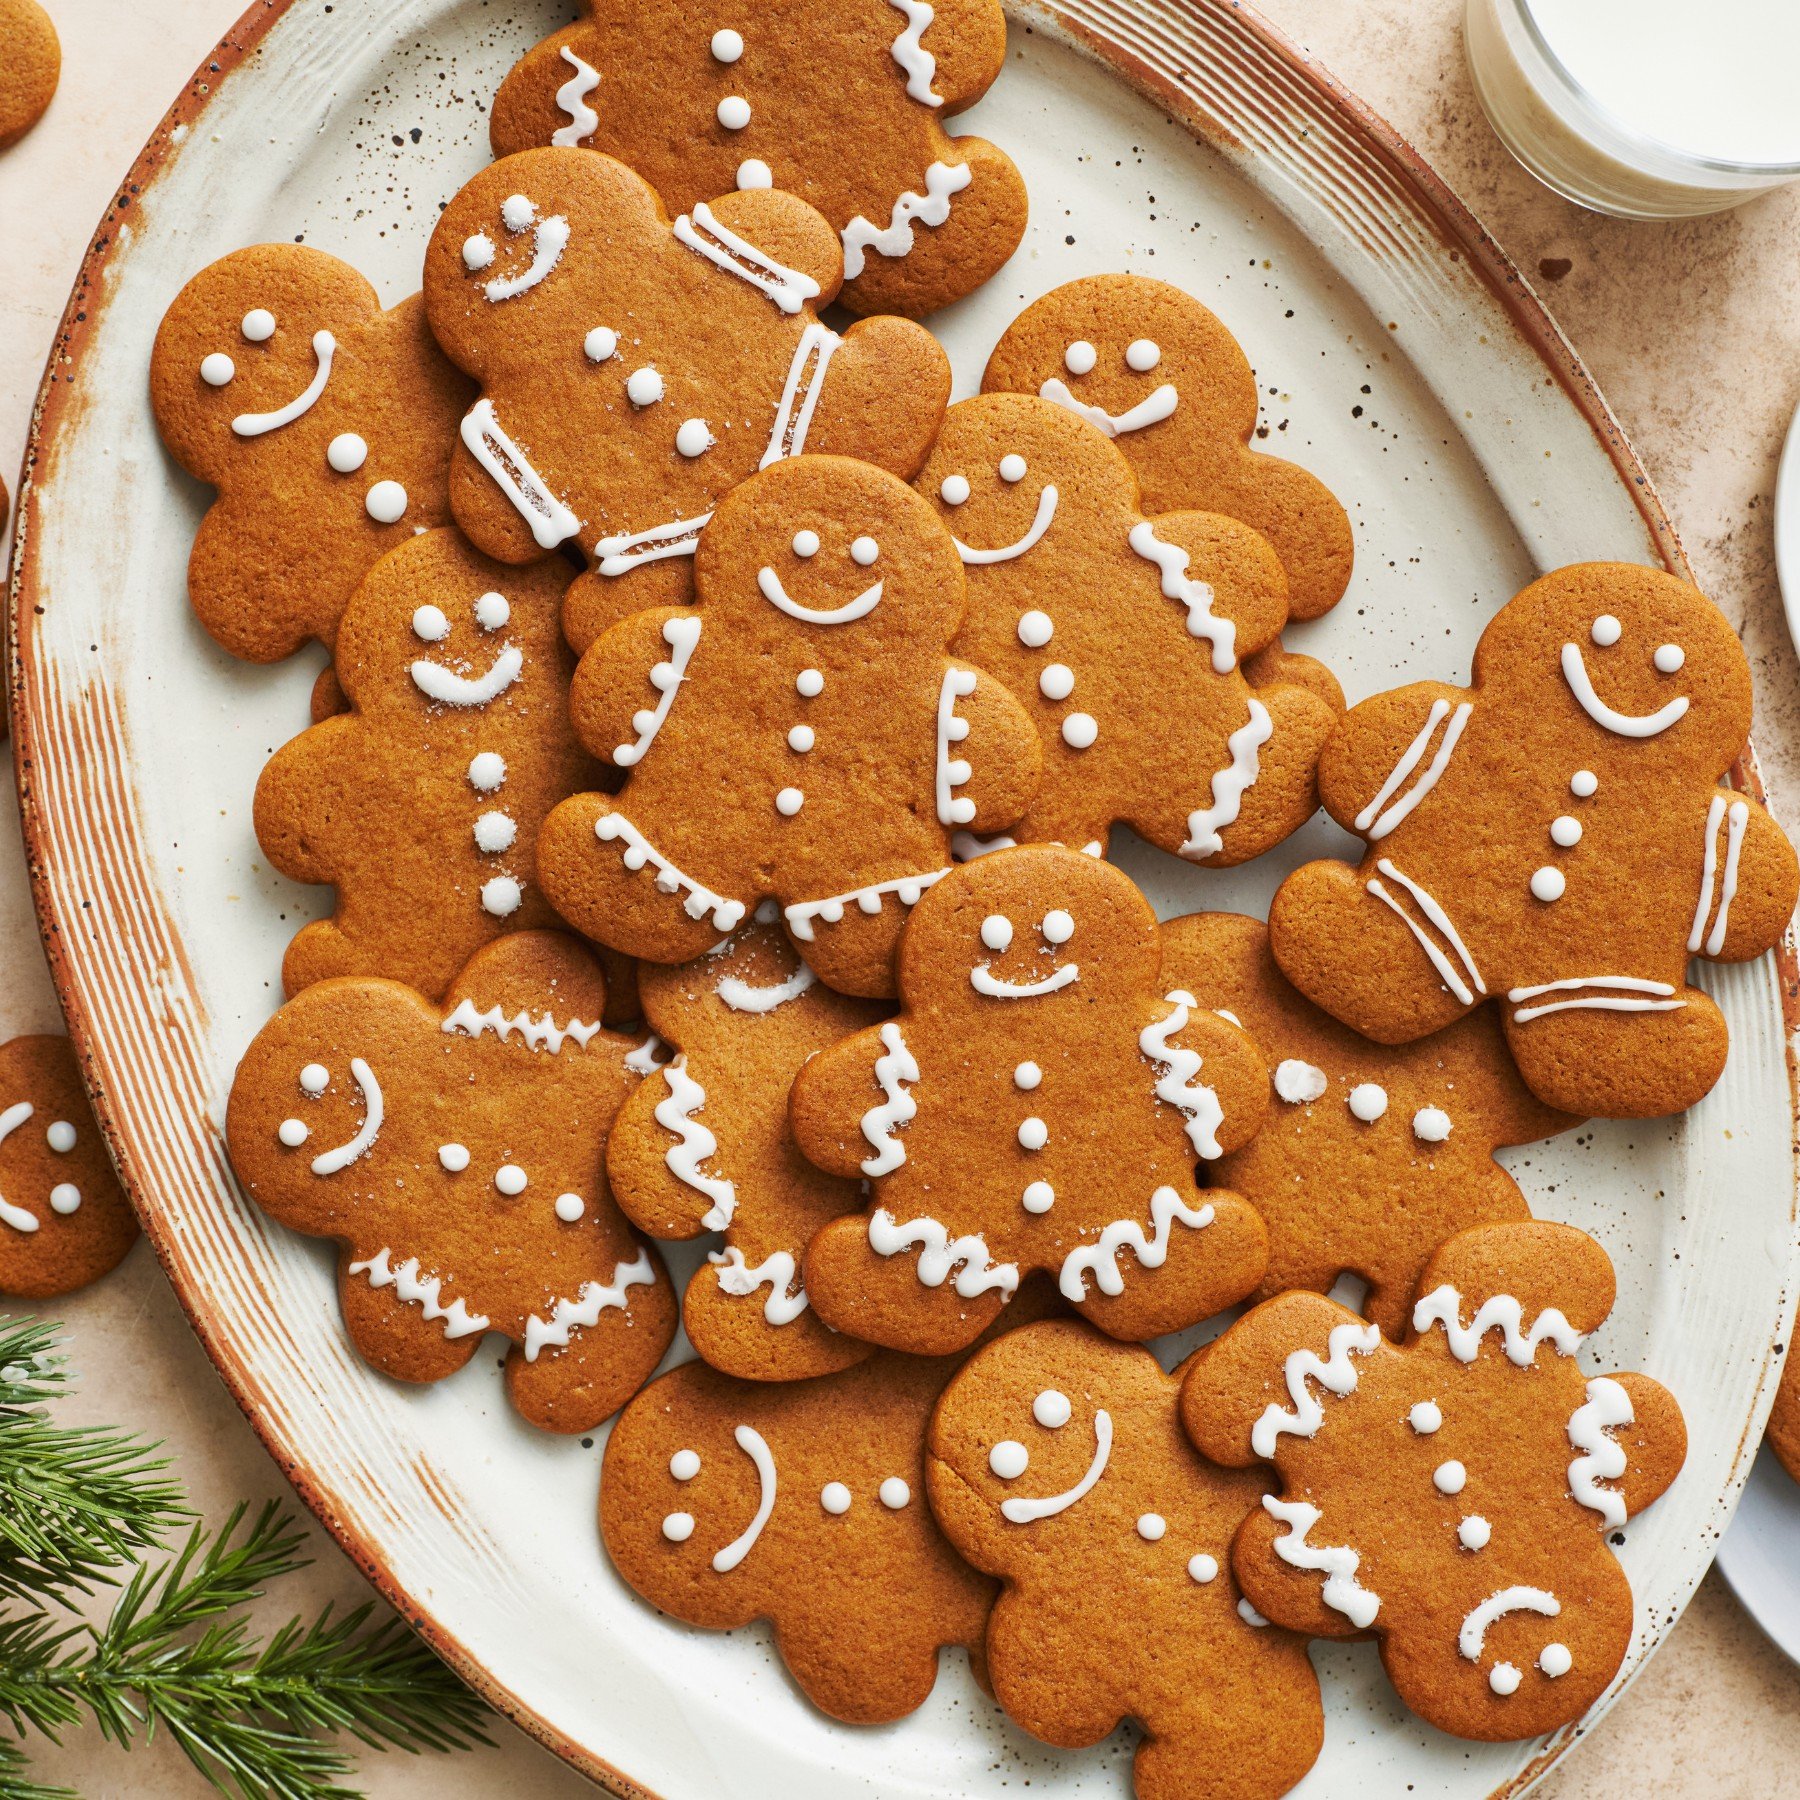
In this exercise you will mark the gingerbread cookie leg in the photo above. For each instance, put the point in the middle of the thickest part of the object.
(1285, 793)
(409, 1326)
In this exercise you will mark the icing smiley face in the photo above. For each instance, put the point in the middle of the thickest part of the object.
(955, 490)
(1055, 929)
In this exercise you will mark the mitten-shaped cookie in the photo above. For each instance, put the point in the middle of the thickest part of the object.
(800, 1502)
(803, 737)
(634, 371)
(422, 803)
(1158, 373)
(457, 1156)
(842, 104)
(1040, 1103)
(1131, 640)
(63, 1220)
(1552, 838)
(1057, 1463)
(1451, 1494)
(704, 1145)
(326, 425)
(1372, 1156)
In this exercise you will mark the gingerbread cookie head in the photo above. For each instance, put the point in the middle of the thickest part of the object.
(634, 371)
(325, 424)
(705, 1145)
(802, 737)
(724, 1501)
(1373, 1155)
(1130, 639)
(844, 106)
(1057, 1463)
(1453, 1494)
(1154, 370)
(422, 803)
(64, 1221)
(456, 1155)
(1552, 839)
(1041, 1103)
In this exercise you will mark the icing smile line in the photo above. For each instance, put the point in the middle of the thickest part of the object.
(10, 1121)
(436, 682)
(1023, 1511)
(1630, 725)
(984, 981)
(1151, 410)
(1046, 512)
(754, 1446)
(255, 424)
(777, 596)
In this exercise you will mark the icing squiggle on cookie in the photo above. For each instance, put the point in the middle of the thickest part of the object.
(775, 1272)
(727, 915)
(895, 1070)
(682, 636)
(329, 1162)
(1608, 1409)
(571, 99)
(1023, 1510)
(916, 62)
(16, 1216)
(694, 1144)
(1229, 785)
(1197, 596)
(1176, 1085)
(1101, 1259)
(906, 888)
(754, 1446)
(539, 1034)
(1336, 1374)
(510, 469)
(586, 1308)
(255, 424)
(1439, 918)
(939, 1253)
(895, 239)
(1151, 410)
(1500, 1312)
(1338, 1563)
(424, 1292)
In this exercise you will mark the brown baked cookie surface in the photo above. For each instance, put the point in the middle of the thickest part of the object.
(29, 69)
(843, 105)
(1451, 1494)
(1129, 640)
(1039, 1104)
(456, 1154)
(1372, 1156)
(1057, 1463)
(801, 737)
(422, 803)
(633, 371)
(1158, 373)
(1552, 838)
(705, 1145)
(64, 1221)
(1783, 1433)
(325, 424)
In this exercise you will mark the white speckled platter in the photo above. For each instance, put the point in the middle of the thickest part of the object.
(1398, 355)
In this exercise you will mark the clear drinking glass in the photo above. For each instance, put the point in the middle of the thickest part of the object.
(1611, 160)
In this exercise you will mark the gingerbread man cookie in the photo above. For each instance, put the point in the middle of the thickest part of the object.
(1133, 641)
(1039, 1104)
(325, 424)
(1552, 838)
(456, 1153)
(63, 1220)
(1372, 1156)
(802, 737)
(1154, 370)
(704, 1145)
(422, 803)
(1057, 1462)
(633, 371)
(1455, 1492)
(843, 105)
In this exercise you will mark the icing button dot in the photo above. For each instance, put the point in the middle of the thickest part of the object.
(644, 387)
(1368, 1101)
(1547, 884)
(1450, 1477)
(1039, 1197)
(806, 544)
(501, 896)
(1058, 927)
(864, 551)
(430, 625)
(1009, 1459)
(954, 490)
(1668, 658)
(315, 1078)
(684, 1465)
(1565, 832)
(996, 931)
(1027, 1076)
(454, 1158)
(734, 112)
(509, 1178)
(1583, 784)
(1052, 1409)
(1299, 1083)
(1143, 355)
(809, 684)
(1080, 357)
(1504, 1679)
(347, 452)
(727, 46)
(894, 1493)
(753, 172)
(1079, 730)
(477, 252)
(1012, 469)
(835, 1498)
(1473, 1533)
(492, 611)
(1035, 630)
(789, 801)
(570, 1207)
(61, 1137)
(216, 370)
(801, 739)
(1606, 630)
(259, 325)
(1431, 1124)
(293, 1132)
(1057, 682)
(385, 502)
(1555, 1660)
(1203, 1568)
(1426, 1417)
(678, 1527)
(694, 438)
(65, 1198)
(487, 771)
(1034, 1134)
(1151, 1527)
(601, 344)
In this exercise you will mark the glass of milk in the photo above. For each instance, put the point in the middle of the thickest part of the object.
(1646, 109)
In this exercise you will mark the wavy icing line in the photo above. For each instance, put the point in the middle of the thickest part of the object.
(1499, 1312)
(953, 772)
(894, 1069)
(702, 233)
(1101, 1259)
(16, 1216)
(1197, 596)
(776, 1272)
(1176, 1085)
(1338, 1563)
(1376, 824)
(425, 1293)
(727, 915)
(1229, 785)
(695, 1144)
(1151, 410)
(916, 62)
(1608, 1409)
(895, 239)
(571, 98)
(1021, 1509)
(586, 1308)
(939, 1253)
(510, 469)
(1739, 823)
(539, 1033)
(1336, 1374)
(682, 636)
(907, 888)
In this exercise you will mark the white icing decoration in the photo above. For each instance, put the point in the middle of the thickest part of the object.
(727, 46)
(908, 888)
(386, 503)
(502, 896)
(1336, 1374)
(1555, 1660)
(1500, 1312)
(1473, 1632)
(1079, 730)
(1548, 884)
(953, 772)
(495, 832)
(984, 981)
(315, 1078)
(939, 1253)
(727, 915)
(1628, 725)
(644, 387)
(510, 1180)
(1080, 357)
(1338, 1563)
(601, 344)
(1151, 410)
(1450, 1477)
(1584, 783)
(776, 1272)
(682, 636)
(453, 1157)
(1605, 631)
(1142, 355)
(694, 1144)
(916, 62)
(1058, 927)
(1171, 562)
(1565, 831)
(1441, 919)
(347, 452)
(703, 234)
(754, 1446)
(1608, 1409)
(834, 1497)
(1229, 785)
(733, 112)
(430, 625)
(1368, 1102)
(61, 1136)
(549, 239)
(678, 1527)
(693, 437)
(1152, 1527)
(542, 1033)
(1299, 1083)
(478, 252)
(1012, 468)
(630, 550)
(1431, 1125)
(1739, 823)
(1250, 1615)
(447, 688)
(507, 465)
(1669, 658)
(1426, 1417)
(1033, 1134)
(255, 424)
(1052, 1409)
(1202, 1568)
(777, 596)
(1009, 1459)
(1027, 1076)
(426, 1293)
(329, 1162)
(895, 239)
(571, 100)
(684, 1465)
(217, 369)
(1022, 1511)
(1375, 824)
(586, 1308)
(65, 1198)
(570, 1208)
(1100, 1259)
(894, 1493)
(864, 551)
(800, 393)
(1035, 629)
(643, 1060)
(742, 997)
(1056, 681)
(1040, 523)
(1474, 1532)
(16, 1216)
(1175, 1084)
(895, 1069)
(293, 1132)
(1603, 1001)
(1039, 1197)
(954, 490)
(753, 173)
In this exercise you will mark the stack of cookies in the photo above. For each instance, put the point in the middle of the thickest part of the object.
(716, 770)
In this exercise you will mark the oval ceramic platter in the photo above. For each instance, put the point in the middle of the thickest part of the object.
(1398, 355)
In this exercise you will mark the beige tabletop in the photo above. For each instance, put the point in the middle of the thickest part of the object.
(1693, 331)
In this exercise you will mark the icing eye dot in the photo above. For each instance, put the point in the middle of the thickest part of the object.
(430, 624)
(1555, 1660)
(601, 344)
(954, 490)
(1052, 1409)
(644, 387)
(1431, 1124)
(1057, 682)
(1565, 831)
(1057, 927)
(1504, 1679)
(1606, 630)
(753, 172)
(1300, 1083)
(1079, 730)
(1034, 1134)
(570, 1207)
(734, 112)
(386, 502)
(1080, 357)
(894, 1493)
(1009, 1459)
(1027, 1076)
(1143, 355)
(809, 684)
(996, 931)
(835, 1498)
(477, 252)
(453, 1158)
(517, 212)
(501, 896)
(1583, 784)
(1035, 629)
(806, 544)
(509, 1178)
(864, 551)
(259, 325)
(217, 369)
(1368, 1102)
(61, 1137)
(492, 611)
(1203, 1568)
(293, 1132)
(684, 1465)
(1012, 469)
(494, 832)
(65, 1198)
(315, 1078)
(694, 438)
(1450, 1478)
(1473, 1533)
(727, 46)
(678, 1527)
(1669, 658)
(1547, 884)
(1151, 1527)
(487, 771)
(1039, 1197)
(1426, 1417)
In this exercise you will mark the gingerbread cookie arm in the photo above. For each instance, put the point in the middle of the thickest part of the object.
(641, 1155)
(1653, 1441)
(1388, 752)
(302, 792)
(1001, 747)
(1289, 1597)
(788, 231)
(1749, 885)
(1240, 568)
(832, 1096)
(527, 109)
(883, 396)
(628, 680)
(1285, 793)
(1549, 1281)
(965, 42)
(1277, 666)
(393, 1335)
(1232, 1068)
